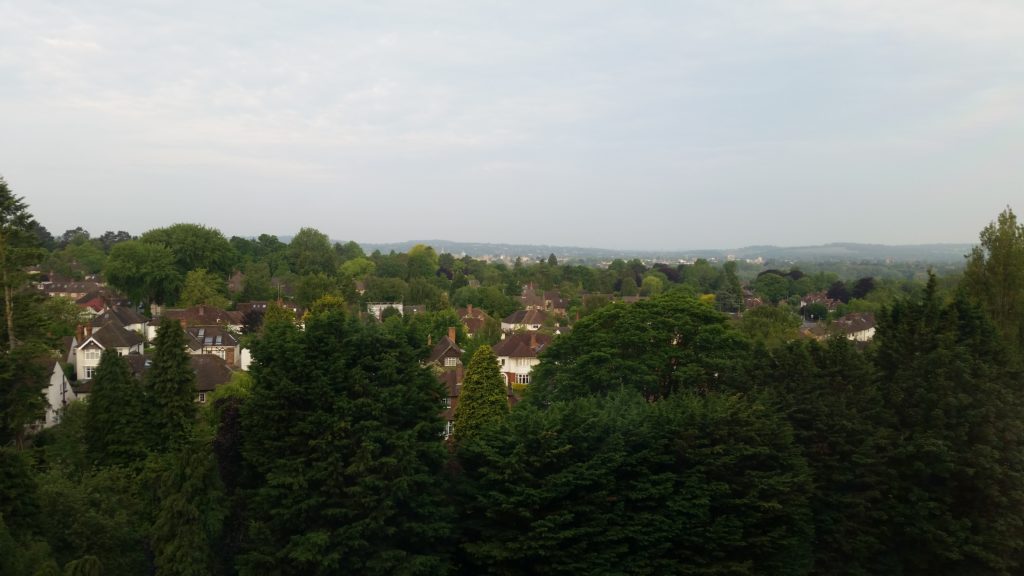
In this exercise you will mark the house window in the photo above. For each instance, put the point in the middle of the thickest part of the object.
(501, 361)
(89, 371)
(449, 428)
(91, 354)
(201, 398)
(522, 378)
(450, 361)
(446, 402)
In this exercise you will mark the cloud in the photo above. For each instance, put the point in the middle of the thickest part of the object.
(562, 103)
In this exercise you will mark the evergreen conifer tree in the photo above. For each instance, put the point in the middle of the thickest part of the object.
(956, 415)
(170, 383)
(342, 436)
(189, 519)
(483, 398)
(115, 418)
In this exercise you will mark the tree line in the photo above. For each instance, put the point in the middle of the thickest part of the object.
(656, 438)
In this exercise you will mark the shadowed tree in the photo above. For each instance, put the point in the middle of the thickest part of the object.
(18, 249)
(115, 418)
(170, 382)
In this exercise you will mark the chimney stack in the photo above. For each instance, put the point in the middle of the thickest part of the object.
(469, 310)
(451, 333)
(533, 340)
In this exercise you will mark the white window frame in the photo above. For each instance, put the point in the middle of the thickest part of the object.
(523, 378)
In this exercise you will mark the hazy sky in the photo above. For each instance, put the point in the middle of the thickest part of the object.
(611, 124)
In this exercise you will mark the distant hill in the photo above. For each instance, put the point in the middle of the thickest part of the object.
(845, 252)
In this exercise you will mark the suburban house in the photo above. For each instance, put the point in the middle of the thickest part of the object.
(70, 290)
(446, 361)
(213, 340)
(111, 335)
(517, 355)
(524, 320)
(549, 301)
(473, 319)
(376, 309)
(260, 307)
(211, 372)
(91, 304)
(819, 298)
(856, 326)
(128, 317)
(198, 316)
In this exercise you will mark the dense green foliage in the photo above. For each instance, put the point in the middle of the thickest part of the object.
(341, 434)
(656, 347)
(995, 278)
(484, 397)
(170, 384)
(658, 437)
(691, 485)
(115, 425)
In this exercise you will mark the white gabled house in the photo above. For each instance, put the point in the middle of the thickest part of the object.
(110, 336)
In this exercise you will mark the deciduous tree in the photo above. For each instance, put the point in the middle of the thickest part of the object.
(995, 277)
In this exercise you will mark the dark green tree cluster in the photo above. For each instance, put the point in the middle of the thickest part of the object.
(618, 485)
(656, 347)
(342, 437)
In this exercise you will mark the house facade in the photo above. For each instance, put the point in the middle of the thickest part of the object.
(94, 340)
(517, 355)
(446, 361)
(524, 320)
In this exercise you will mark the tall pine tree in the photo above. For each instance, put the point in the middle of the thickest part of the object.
(170, 383)
(956, 413)
(115, 418)
(483, 397)
(342, 434)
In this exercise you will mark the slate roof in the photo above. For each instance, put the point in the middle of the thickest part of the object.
(201, 316)
(855, 322)
(523, 345)
(526, 317)
(473, 318)
(111, 334)
(210, 371)
(123, 314)
(445, 347)
(199, 336)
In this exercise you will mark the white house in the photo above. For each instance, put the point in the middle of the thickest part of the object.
(517, 355)
(524, 320)
(106, 337)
